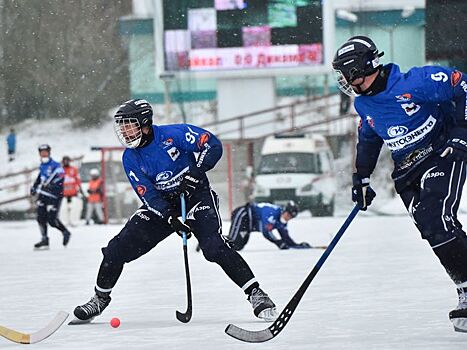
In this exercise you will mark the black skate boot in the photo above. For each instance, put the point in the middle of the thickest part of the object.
(263, 307)
(43, 244)
(66, 237)
(94, 307)
(458, 316)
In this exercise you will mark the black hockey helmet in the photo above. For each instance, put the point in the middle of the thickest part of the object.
(131, 117)
(358, 57)
(291, 208)
(44, 147)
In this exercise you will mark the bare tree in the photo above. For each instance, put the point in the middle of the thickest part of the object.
(62, 59)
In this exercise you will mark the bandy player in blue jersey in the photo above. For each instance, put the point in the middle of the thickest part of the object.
(160, 164)
(421, 116)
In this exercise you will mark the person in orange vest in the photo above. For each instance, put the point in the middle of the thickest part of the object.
(95, 197)
(71, 189)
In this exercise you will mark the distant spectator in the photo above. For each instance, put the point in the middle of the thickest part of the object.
(71, 189)
(11, 142)
(95, 198)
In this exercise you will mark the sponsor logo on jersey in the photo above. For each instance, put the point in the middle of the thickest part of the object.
(165, 175)
(398, 130)
(140, 214)
(404, 97)
(429, 174)
(410, 108)
(370, 121)
(141, 190)
(415, 157)
(196, 208)
(174, 153)
(168, 142)
(203, 139)
(203, 155)
(412, 137)
(456, 77)
(163, 185)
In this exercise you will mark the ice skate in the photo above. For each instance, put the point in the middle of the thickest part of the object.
(263, 307)
(66, 237)
(85, 313)
(458, 316)
(42, 245)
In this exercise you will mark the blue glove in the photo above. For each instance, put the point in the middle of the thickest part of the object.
(456, 147)
(362, 193)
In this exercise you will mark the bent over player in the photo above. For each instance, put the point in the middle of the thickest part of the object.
(160, 164)
(421, 116)
(264, 217)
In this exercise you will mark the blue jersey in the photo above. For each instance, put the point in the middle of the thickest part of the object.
(158, 168)
(412, 116)
(267, 218)
(11, 142)
(50, 180)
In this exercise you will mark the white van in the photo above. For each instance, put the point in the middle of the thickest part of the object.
(299, 168)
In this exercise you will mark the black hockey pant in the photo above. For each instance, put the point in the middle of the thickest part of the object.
(47, 212)
(241, 226)
(432, 203)
(145, 229)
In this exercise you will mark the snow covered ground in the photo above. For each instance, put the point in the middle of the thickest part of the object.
(381, 288)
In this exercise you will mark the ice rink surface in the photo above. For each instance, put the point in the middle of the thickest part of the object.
(381, 288)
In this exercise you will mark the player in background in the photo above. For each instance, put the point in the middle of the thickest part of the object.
(71, 189)
(49, 188)
(95, 197)
(160, 164)
(264, 217)
(421, 116)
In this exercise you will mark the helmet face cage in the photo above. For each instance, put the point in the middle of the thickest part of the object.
(128, 131)
(343, 84)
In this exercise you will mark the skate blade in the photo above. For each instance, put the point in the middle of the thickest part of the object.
(41, 248)
(76, 321)
(268, 315)
(460, 324)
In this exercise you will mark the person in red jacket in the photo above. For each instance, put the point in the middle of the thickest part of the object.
(71, 189)
(95, 197)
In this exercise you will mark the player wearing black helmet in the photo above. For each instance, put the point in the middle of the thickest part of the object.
(264, 217)
(162, 162)
(421, 117)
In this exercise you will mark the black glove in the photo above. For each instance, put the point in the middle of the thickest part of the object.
(456, 147)
(179, 226)
(281, 244)
(362, 193)
(33, 191)
(191, 182)
(303, 245)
